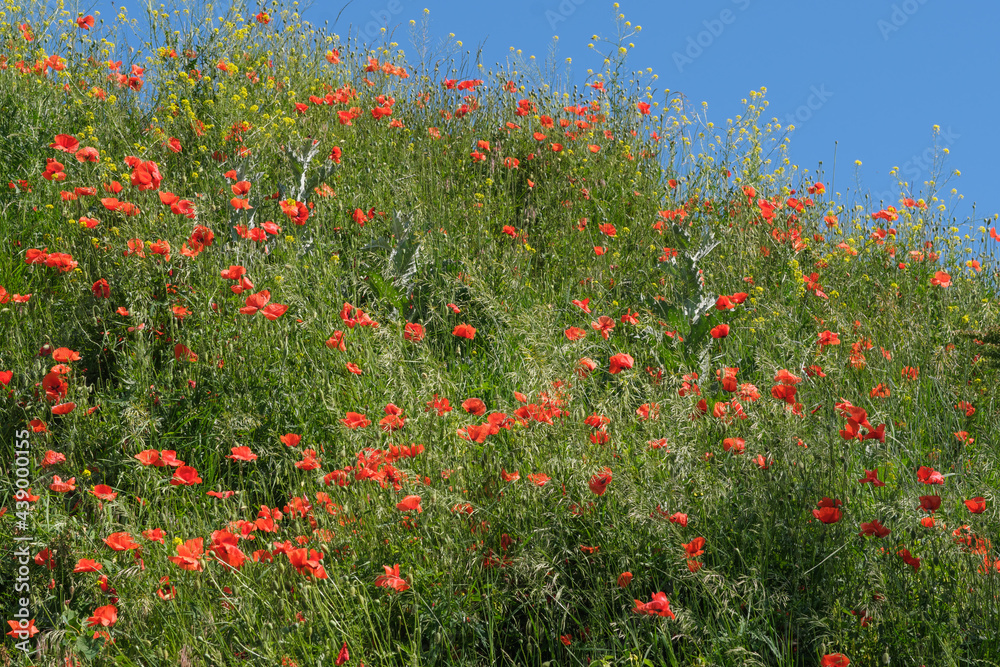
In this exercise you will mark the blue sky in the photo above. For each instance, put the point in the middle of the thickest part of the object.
(871, 78)
(860, 79)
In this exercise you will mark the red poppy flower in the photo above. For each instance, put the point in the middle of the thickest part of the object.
(242, 454)
(26, 631)
(169, 457)
(720, 331)
(66, 143)
(926, 475)
(353, 368)
(51, 458)
(297, 211)
(599, 482)
(26, 495)
(55, 387)
(871, 476)
(604, 325)
(539, 478)
(44, 557)
(815, 371)
(234, 272)
(976, 505)
(182, 351)
(585, 366)
(309, 460)
(648, 411)
(64, 354)
(786, 378)
(336, 341)
(941, 278)
(105, 616)
(63, 408)
(695, 547)
(391, 579)
(189, 555)
(160, 247)
(409, 503)
(930, 503)
(413, 331)
(145, 175)
(393, 420)
(121, 542)
(60, 486)
(834, 660)
(87, 565)
(619, 362)
(154, 535)
(149, 457)
(355, 420)
(874, 528)
(966, 407)
(736, 445)
(440, 404)
(912, 561)
(273, 311)
(474, 406)
(343, 656)
(880, 391)
(658, 606)
(724, 303)
(255, 302)
(829, 511)
(185, 476)
(224, 548)
(510, 476)
(104, 492)
(828, 338)
(166, 593)
(464, 331)
(101, 289)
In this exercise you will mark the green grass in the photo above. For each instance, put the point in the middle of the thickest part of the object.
(497, 571)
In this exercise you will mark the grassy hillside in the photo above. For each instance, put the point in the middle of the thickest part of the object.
(317, 354)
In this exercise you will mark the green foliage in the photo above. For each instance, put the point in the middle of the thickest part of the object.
(339, 230)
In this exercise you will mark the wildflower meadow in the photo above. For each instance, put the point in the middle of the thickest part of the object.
(316, 352)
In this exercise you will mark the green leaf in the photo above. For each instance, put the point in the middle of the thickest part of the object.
(88, 647)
